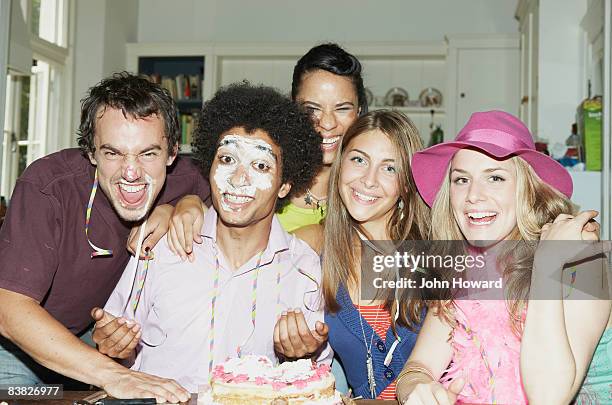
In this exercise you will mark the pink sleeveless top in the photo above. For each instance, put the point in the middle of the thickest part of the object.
(486, 353)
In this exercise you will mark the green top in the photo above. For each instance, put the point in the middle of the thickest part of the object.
(597, 386)
(293, 217)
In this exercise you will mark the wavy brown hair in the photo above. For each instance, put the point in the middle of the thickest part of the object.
(136, 97)
(536, 204)
(341, 256)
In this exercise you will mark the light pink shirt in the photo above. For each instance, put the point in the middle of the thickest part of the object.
(175, 305)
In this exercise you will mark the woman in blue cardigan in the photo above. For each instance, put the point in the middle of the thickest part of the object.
(372, 198)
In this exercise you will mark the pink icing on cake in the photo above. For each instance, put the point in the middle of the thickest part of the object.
(241, 378)
(278, 385)
(260, 370)
(300, 384)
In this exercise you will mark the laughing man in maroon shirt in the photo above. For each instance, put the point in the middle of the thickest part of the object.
(55, 259)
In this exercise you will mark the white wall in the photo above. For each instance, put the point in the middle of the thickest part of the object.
(320, 20)
(88, 54)
(560, 77)
(121, 28)
(103, 27)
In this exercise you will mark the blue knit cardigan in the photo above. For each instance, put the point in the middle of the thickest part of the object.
(346, 338)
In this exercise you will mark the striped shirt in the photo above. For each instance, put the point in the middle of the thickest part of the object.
(380, 320)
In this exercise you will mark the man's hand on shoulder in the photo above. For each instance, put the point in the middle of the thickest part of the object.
(156, 227)
(116, 337)
(185, 226)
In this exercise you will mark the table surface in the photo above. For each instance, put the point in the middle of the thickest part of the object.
(70, 396)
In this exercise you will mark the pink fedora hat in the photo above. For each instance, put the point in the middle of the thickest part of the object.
(496, 133)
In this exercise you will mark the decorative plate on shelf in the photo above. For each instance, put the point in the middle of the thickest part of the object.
(396, 97)
(369, 96)
(430, 97)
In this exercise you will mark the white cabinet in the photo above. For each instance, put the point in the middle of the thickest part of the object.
(483, 74)
(412, 67)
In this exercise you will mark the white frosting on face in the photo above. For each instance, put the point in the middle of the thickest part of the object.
(131, 172)
(150, 187)
(246, 153)
(141, 212)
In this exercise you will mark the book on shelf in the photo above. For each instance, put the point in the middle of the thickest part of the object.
(196, 86)
(188, 123)
(181, 87)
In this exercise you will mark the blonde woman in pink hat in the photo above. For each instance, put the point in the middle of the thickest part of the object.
(491, 185)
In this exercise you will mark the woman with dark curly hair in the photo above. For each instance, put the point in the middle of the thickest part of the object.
(255, 146)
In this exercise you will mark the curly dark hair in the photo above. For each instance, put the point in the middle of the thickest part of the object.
(242, 105)
(136, 97)
(333, 59)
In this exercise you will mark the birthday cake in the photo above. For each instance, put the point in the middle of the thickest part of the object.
(256, 380)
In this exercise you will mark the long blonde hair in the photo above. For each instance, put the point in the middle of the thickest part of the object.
(340, 258)
(536, 204)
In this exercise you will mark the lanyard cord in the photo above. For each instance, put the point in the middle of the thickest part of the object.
(97, 251)
(108, 252)
(213, 302)
(143, 276)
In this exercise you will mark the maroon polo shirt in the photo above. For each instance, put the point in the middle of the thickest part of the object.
(44, 252)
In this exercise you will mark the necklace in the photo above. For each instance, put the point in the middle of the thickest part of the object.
(254, 289)
(398, 339)
(369, 361)
(97, 251)
(141, 278)
(318, 202)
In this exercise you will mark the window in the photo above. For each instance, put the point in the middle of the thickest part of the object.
(51, 27)
(32, 118)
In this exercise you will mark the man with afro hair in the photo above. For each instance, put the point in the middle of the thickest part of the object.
(256, 147)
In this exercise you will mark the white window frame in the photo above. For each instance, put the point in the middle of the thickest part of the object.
(13, 127)
(5, 9)
(49, 119)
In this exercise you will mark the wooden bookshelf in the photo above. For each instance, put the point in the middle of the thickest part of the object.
(183, 77)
